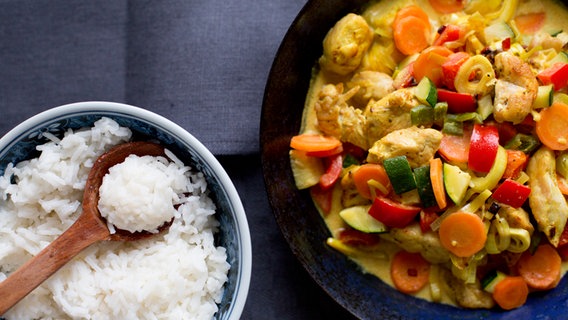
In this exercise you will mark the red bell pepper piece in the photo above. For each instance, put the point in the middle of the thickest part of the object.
(512, 193)
(322, 197)
(448, 33)
(506, 44)
(426, 219)
(352, 237)
(457, 102)
(483, 147)
(563, 244)
(391, 213)
(451, 67)
(556, 75)
(333, 171)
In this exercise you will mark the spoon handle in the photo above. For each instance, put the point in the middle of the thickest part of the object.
(21, 282)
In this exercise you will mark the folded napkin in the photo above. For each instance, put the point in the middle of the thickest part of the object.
(201, 64)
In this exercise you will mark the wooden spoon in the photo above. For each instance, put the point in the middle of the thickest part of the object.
(89, 228)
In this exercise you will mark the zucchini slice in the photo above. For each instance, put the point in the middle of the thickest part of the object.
(489, 282)
(400, 174)
(358, 218)
(426, 92)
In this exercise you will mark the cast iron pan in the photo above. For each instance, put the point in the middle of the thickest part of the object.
(363, 295)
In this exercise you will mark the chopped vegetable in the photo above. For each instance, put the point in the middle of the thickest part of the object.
(552, 127)
(422, 115)
(512, 193)
(483, 148)
(391, 213)
(424, 186)
(522, 142)
(447, 6)
(411, 30)
(437, 180)
(544, 97)
(314, 142)
(458, 102)
(511, 292)
(455, 148)
(491, 179)
(557, 75)
(491, 279)
(322, 197)
(516, 162)
(400, 174)
(429, 64)
(326, 153)
(307, 170)
(456, 182)
(426, 92)
(332, 172)
(451, 67)
(448, 33)
(358, 218)
(462, 233)
(371, 178)
(356, 238)
(542, 269)
(530, 23)
(409, 271)
(426, 219)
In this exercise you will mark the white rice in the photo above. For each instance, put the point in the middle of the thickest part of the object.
(141, 192)
(176, 275)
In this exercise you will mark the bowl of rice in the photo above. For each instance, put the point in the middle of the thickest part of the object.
(199, 268)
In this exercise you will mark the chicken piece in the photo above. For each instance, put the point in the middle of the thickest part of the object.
(516, 218)
(547, 203)
(412, 239)
(389, 114)
(373, 85)
(544, 41)
(418, 145)
(467, 295)
(515, 89)
(345, 44)
(338, 118)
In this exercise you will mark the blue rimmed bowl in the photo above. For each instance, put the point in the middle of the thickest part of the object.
(364, 295)
(20, 144)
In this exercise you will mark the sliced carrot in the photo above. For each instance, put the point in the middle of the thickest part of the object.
(531, 22)
(412, 10)
(411, 35)
(409, 271)
(516, 162)
(437, 180)
(511, 292)
(455, 149)
(429, 64)
(314, 142)
(447, 6)
(326, 153)
(552, 127)
(364, 176)
(462, 233)
(540, 270)
(563, 186)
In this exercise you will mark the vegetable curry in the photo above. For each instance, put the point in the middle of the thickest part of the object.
(434, 143)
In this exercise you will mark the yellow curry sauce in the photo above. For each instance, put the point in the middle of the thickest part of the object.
(376, 260)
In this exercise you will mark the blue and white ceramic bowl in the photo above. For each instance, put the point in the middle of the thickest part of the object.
(20, 143)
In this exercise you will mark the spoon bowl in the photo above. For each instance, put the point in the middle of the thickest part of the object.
(89, 228)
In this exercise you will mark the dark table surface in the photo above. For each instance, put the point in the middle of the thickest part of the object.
(202, 64)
